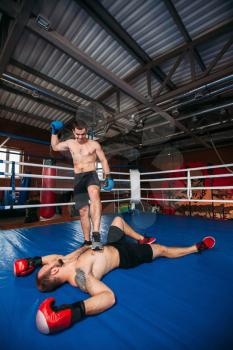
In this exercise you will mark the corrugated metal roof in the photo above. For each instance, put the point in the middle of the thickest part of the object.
(44, 57)
(200, 15)
(148, 22)
(150, 25)
(68, 19)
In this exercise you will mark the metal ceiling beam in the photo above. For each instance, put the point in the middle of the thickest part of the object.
(25, 114)
(204, 110)
(225, 71)
(109, 23)
(220, 29)
(15, 32)
(171, 72)
(63, 44)
(58, 83)
(17, 80)
(68, 48)
(178, 21)
(180, 126)
(36, 99)
(219, 56)
(203, 83)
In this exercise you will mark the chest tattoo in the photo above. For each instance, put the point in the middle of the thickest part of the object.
(80, 279)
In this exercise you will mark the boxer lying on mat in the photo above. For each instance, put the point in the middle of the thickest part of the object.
(84, 269)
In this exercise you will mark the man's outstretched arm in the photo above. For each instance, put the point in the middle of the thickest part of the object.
(76, 253)
(25, 266)
(52, 319)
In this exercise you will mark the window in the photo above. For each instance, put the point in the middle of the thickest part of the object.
(9, 155)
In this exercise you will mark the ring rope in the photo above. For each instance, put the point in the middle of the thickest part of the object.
(191, 169)
(58, 204)
(185, 188)
(53, 189)
(57, 167)
(190, 200)
(191, 177)
(55, 177)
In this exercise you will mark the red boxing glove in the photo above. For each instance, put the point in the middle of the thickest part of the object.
(23, 267)
(53, 319)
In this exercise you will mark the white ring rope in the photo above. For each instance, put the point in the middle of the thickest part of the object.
(136, 181)
(185, 188)
(42, 176)
(57, 167)
(53, 189)
(185, 178)
(60, 204)
(36, 165)
(55, 177)
(165, 179)
(191, 169)
(189, 200)
(119, 189)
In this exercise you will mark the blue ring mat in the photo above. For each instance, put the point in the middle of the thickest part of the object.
(184, 303)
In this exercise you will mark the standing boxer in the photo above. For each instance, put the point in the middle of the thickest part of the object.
(86, 183)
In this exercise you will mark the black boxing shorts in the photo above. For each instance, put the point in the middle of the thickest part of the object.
(114, 234)
(132, 254)
(81, 183)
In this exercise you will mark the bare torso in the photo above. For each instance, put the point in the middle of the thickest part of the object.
(84, 155)
(95, 263)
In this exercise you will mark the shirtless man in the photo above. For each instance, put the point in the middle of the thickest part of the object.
(84, 269)
(86, 182)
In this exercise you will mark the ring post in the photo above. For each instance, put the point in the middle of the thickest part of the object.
(135, 186)
(189, 185)
(12, 184)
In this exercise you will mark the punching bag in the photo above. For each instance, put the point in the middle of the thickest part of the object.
(48, 197)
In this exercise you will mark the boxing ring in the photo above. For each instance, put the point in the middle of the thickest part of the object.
(183, 303)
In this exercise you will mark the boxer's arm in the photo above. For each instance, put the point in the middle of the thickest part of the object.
(59, 146)
(48, 259)
(100, 154)
(25, 266)
(102, 297)
(77, 252)
(51, 318)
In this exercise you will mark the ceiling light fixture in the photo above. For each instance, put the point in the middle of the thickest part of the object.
(43, 22)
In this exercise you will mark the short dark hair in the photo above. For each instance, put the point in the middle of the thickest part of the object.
(79, 124)
(47, 283)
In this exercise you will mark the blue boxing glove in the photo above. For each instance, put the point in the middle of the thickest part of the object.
(108, 183)
(56, 125)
